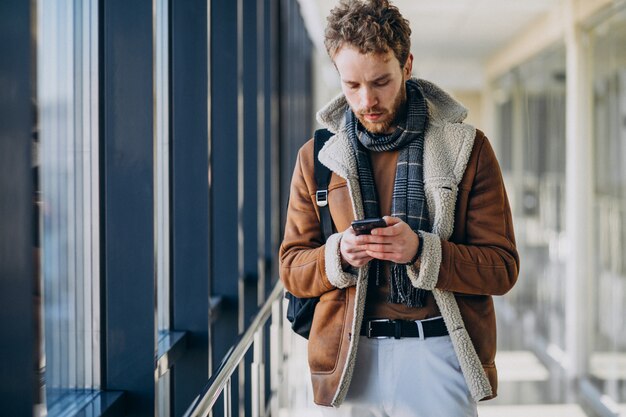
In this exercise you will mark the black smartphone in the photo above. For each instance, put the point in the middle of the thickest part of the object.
(365, 226)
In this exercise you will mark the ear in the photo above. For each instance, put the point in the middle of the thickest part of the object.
(408, 67)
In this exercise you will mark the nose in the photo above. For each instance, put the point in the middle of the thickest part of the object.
(368, 98)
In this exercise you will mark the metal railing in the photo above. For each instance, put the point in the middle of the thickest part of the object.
(221, 381)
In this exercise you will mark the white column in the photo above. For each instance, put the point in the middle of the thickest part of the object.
(579, 193)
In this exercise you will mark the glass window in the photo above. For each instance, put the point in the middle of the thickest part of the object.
(505, 128)
(607, 362)
(530, 111)
(543, 95)
(67, 102)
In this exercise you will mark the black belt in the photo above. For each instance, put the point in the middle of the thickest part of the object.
(403, 328)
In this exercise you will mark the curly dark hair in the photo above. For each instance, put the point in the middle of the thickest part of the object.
(371, 26)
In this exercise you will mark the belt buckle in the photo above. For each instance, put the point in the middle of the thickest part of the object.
(369, 328)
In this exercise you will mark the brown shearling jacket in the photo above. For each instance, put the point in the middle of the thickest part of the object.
(468, 256)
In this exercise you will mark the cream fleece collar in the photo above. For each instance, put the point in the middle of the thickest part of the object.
(441, 108)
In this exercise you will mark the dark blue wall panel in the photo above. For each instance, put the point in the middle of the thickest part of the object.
(224, 171)
(250, 167)
(127, 202)
(190, 195)
(272, 130)
(295, 88)
(224, 148)
(17, 274)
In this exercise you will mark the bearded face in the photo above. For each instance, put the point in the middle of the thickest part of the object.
(380, 120)
(374, 86)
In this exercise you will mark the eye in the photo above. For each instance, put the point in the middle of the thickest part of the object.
(381, 83)
(352, 86)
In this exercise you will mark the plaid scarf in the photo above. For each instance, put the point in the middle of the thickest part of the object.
(409, 199)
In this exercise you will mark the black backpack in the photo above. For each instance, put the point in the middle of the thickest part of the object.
(300, 310)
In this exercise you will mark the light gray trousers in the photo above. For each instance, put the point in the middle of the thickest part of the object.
(409, 377)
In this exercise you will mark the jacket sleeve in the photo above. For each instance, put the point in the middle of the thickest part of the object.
(308, 266)
(485, 261)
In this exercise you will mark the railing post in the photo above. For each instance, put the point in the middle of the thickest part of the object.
(227, 398)
(262, 403)
(257, 383)
(275, 355)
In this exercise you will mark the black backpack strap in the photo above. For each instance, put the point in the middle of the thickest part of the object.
(300, 310)
(322, 178)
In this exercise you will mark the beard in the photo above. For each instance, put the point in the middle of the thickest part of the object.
(389, 117)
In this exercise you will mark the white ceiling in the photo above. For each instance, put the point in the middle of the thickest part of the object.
(451, 39)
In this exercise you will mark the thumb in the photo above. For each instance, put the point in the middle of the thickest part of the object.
(392, 220)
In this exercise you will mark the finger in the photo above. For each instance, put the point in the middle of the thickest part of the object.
(384, 256)
(362, 257)
(359, 260)
(369, 239)
(355, 249)
(387, 231)
(390, 220)
(351, 240)
(379, 238)
(379, 248)
(394, 227)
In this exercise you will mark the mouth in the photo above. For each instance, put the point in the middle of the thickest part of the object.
(373, 117)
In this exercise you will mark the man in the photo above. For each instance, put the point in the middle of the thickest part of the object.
(405, 325)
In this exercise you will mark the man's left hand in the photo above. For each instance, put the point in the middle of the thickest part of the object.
(397, 242)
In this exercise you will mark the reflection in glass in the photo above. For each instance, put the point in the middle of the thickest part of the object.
(531, 112)
(607, 363)
(67, 81)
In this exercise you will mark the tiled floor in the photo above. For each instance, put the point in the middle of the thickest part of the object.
(541, 410)
(520, 365)
(526, 388)
(608, 365)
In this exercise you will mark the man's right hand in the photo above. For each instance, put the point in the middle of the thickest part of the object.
(352, 253)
